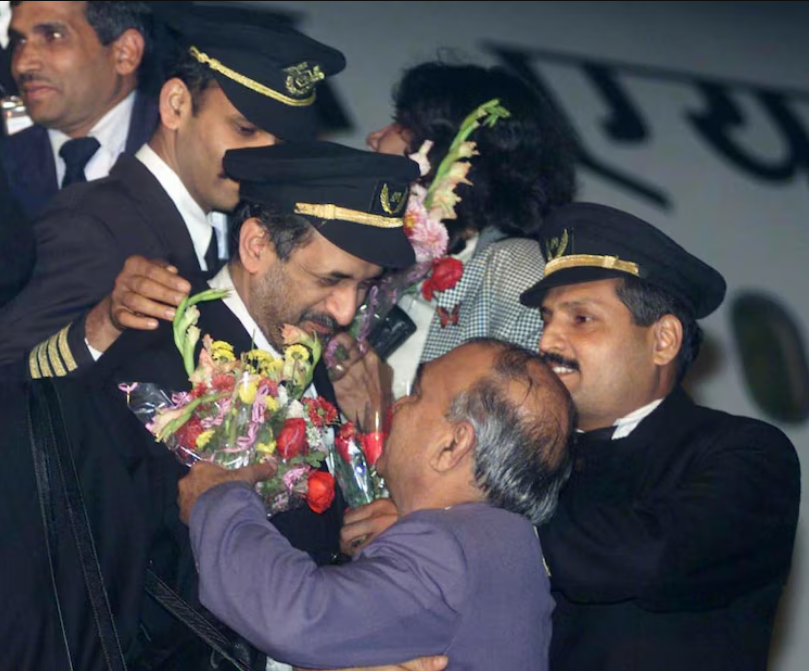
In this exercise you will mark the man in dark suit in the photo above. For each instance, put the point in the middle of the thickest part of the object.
(673, 538)
(92, 86)
(231, 85)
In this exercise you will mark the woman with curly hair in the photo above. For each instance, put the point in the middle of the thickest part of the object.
(524, 169)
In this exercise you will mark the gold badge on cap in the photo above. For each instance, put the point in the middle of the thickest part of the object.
(301, 79)
(392, 203)
(556, 247)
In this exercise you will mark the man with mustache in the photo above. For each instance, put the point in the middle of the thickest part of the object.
(82, 70)
(230, 84)
(309, 237)
(673, 538)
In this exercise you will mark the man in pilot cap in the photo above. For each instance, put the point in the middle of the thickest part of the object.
(313, 230)
(673, 538)
(231, 84)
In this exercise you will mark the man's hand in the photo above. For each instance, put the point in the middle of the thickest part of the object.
(436, 663)
(361, 525)
(204, 475)
(363, 380)
(144, 292)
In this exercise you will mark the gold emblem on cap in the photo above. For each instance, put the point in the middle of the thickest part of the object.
(331, 211)
(392, 203)
(301, 79)
(252, 84)
(556, 247)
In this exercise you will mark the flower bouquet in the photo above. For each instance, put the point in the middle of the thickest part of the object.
(241, 410)
(427, 207)
(357, 448)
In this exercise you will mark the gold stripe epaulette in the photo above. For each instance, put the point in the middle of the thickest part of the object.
(52, 357)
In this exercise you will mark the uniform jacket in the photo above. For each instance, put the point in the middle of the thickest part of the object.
(141, 356)
(16, 244)
(29, 164)
(83, 238)
(466, 581)
(671, 547)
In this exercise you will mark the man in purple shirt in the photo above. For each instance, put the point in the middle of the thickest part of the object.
(475, 458)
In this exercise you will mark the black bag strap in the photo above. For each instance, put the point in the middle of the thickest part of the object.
(191, 617)
(54, 467)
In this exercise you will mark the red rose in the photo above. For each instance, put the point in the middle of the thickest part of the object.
(188, 433)
(446, 273)
(292, 438)
(342, 440)
(320, 493)
(372, 446)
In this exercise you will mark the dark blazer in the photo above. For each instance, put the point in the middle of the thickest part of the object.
(83, 238)
(9, 88)
(17, 251)
(28, 159)
(671, 547)
(141, 356)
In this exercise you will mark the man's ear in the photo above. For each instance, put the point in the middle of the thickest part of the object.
(127, 51)
(454, 447)
(668, 339)
(256, 250)
(175, 103)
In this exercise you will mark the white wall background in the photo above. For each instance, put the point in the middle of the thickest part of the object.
(754, 232)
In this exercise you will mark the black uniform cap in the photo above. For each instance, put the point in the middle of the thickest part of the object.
(354, 198)
(268, 70)
(584, 242)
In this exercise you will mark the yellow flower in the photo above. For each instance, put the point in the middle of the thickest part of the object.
(205, 437)
(259, 360)
(296, 353)
(266, 448)
(247, 389)
(272, 403)
(222, 351)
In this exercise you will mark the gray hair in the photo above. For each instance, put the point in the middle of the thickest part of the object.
(522, 451)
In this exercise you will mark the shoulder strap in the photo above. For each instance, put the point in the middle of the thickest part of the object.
(55, 468)
(192, 618)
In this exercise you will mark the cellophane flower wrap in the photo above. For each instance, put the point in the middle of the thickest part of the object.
(427, 208)
(241, 410)
(356, 449)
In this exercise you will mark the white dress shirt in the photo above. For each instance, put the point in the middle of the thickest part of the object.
(111, 132)
(626, 425)
(199, 224)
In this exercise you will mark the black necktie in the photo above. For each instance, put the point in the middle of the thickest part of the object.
(595, 436)
(212, 254)
(76, 153)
